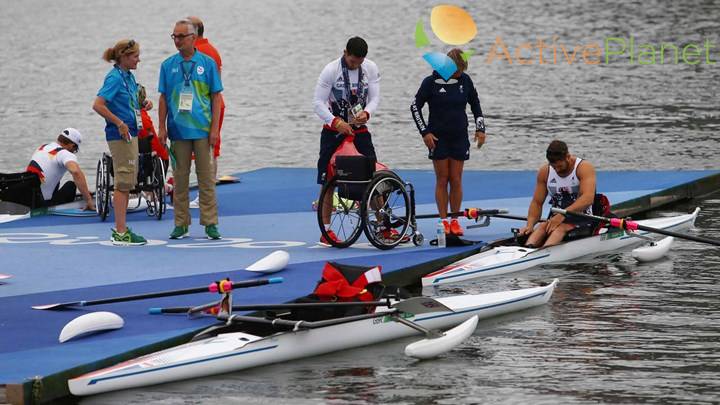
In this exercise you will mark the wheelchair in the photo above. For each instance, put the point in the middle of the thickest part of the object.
(150, 183)
(362, 195)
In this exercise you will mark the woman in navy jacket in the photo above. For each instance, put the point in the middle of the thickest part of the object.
(445, 134)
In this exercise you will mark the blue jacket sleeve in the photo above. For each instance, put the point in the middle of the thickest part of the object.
(474, 102)
(422, 97)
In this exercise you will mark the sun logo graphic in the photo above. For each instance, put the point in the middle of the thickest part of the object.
(453, 26)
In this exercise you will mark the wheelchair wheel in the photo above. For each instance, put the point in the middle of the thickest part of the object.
(344, 214)
(156, 200)
(385, 211)
(103, 188)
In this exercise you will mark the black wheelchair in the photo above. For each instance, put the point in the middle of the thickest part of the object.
(366, 196)
(150, 186)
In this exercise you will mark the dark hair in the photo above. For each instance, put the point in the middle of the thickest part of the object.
(557, 150)
(357, 46)
(63, 140)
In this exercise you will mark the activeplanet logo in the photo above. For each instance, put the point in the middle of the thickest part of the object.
(454, 26)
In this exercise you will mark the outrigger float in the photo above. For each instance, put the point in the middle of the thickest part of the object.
(506, 256)
(282, 334)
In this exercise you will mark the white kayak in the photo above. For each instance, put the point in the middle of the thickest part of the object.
(240, 350)
(500, 260)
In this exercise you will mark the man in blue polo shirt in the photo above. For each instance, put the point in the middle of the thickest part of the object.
(189, 112)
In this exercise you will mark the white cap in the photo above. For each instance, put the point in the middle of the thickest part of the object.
(73, 135)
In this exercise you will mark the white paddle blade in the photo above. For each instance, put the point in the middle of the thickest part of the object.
(271, 263)
(653, 252)
(429, 348)
(90, 323)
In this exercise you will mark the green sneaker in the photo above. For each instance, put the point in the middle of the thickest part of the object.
(212, 232)
(127, 238)
(179, 232)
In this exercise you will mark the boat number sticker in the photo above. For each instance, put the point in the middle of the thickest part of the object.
(613, 234)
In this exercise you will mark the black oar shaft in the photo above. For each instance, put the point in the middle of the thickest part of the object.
(625, 225)
(479, 212)
(428, 216)
(679, 235)
(303, 324)
(270, 307)
(170, 293)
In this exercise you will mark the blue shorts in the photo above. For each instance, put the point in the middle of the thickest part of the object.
(329, 142)
(454, 147)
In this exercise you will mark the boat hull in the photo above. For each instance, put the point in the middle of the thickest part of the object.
(508, 259)
(236, 351)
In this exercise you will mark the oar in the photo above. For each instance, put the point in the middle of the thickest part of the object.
(634, 226)
(272, 307)
(267, 265)
(214, 287)
(470, 213)
(500, 214)
(415, 305)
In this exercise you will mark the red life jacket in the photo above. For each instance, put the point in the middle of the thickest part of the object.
(348, 283)
(601, 207)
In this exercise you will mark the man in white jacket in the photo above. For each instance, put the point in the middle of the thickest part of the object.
(346, 96)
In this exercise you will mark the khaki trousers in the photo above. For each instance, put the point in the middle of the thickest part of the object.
(206, 182)
(125, 167)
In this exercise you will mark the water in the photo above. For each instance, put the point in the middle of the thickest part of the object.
(615, 332)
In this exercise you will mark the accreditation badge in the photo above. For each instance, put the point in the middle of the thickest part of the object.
(138, 119)
(186, 100)
(356, 110)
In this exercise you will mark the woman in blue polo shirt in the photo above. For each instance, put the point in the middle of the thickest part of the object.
(445, 135)
(117, 102)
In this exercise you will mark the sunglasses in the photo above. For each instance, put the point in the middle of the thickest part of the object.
(130, 45)
(179, 36)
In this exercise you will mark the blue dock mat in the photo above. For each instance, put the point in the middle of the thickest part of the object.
(56, 259)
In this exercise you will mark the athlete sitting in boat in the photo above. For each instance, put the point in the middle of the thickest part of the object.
(570, 182)
(45, 171)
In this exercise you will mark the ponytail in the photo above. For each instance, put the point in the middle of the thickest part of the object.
(109, 55)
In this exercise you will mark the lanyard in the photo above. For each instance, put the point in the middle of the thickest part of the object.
(187, 74)
(132, 96)
(359, 96)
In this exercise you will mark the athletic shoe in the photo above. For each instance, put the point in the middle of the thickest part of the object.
(446, 225)
(179, 232)
(127, 238)
(212, 232)
(393, 235)
(455, 228)
(332, 237)
(195, 203)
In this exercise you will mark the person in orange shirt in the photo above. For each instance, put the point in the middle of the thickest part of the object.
(203, 45)
(148, 130)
